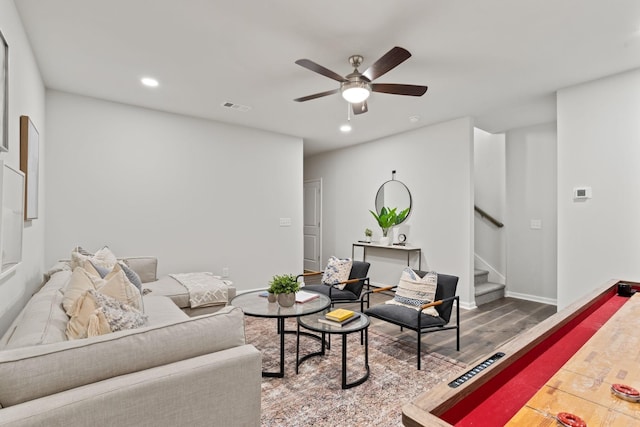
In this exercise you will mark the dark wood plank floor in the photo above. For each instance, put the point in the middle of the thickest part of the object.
(482, 329)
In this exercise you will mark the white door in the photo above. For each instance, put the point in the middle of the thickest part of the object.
(312, 224)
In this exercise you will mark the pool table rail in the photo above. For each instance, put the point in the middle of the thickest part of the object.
(426, 408)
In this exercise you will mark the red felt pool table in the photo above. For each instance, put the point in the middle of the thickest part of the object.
(500, 385)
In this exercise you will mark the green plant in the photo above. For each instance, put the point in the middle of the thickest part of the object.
(284, 284)
(388, 217)
(368, 232)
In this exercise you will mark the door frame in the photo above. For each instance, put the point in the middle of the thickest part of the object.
(320, 227)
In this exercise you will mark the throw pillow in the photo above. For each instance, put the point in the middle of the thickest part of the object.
(79, 283)
(337, 271)
(97, 314)
(117, 285)
(104, 258)
(120, 316)
(79, 256)
(413, 291)
(131, 275)
(85, 319)
(95, 270)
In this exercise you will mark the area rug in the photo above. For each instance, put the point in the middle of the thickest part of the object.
(314, 396)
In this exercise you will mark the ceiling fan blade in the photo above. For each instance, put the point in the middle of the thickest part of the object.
(360, 108)
(389, 60)
(396, 89)
(310, 65)
(317, 95)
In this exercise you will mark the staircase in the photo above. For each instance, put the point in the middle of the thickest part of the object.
(486, 291)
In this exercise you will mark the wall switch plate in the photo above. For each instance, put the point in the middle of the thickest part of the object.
(285, 222)
(581, 193)
(536, 224)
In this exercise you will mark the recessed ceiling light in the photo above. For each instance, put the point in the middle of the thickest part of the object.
(150, 82)
(345, 128)
(414, 119)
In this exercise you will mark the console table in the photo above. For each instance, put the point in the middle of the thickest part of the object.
(408, 249)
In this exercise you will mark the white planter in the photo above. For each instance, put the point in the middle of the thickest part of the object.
(385, 241)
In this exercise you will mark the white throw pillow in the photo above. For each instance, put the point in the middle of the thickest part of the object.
(413, 291)
(337, 271)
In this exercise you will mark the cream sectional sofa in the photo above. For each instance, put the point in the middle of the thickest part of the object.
(178, 370)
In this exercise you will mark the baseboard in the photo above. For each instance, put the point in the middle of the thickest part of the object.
(468, 305)
(533, 298)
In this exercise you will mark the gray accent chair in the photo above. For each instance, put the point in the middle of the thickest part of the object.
(415, 320)
(353, 286)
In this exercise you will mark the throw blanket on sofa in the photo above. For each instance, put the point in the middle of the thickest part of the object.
(204, 289)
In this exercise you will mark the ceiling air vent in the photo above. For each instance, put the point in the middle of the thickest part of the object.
(236, 107)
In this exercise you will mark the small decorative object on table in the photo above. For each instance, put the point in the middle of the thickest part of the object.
(368, 233)
(285, 287)
(329, 320)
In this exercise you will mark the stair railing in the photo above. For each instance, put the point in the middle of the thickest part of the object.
(488, 217)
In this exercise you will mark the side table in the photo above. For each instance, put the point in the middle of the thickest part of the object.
(257, 306)
(311, 323)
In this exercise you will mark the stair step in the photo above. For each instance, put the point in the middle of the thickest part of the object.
(480, 276)
(487, 292)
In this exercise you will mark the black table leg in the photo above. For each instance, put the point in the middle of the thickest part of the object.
(362, 379)
(281, 331)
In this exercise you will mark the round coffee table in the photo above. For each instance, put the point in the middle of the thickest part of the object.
(361, 324)
(255, 305)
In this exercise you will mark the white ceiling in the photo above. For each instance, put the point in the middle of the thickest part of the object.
(500, 61)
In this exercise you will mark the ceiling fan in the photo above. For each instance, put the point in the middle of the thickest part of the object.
(356, 87)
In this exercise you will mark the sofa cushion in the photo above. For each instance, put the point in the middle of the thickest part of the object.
(160, 309)
(32, 372)
(145, 267)
(43, 320)
(169, 287)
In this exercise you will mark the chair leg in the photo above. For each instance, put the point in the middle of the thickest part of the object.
(419, 345)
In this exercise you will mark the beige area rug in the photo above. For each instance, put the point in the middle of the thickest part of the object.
(314, 397)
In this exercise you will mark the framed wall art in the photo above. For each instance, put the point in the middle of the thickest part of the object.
(12, 222)
(4, 94)
(29, 159)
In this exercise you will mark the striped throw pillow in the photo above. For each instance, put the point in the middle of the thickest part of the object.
(414, 291)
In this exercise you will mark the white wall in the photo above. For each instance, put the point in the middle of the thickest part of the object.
(531, 195)
(436, 164)
(490, 195)
(200, 195)
(598, 146)
(26, 97)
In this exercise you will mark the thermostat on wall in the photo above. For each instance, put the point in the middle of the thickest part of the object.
(581, 193)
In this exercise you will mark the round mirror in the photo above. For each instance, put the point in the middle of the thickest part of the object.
(393, 194)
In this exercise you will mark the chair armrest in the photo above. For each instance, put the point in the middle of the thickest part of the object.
(308, 274)
(386, 288)
(346, 282)
(435, 303)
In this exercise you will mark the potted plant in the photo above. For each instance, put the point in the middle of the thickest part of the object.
(387, 218)
(271, 295)
(285, 287)
(368, 233)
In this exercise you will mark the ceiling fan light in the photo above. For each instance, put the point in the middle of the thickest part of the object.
(355, 92)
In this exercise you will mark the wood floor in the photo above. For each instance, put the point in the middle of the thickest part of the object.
(482, 329)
